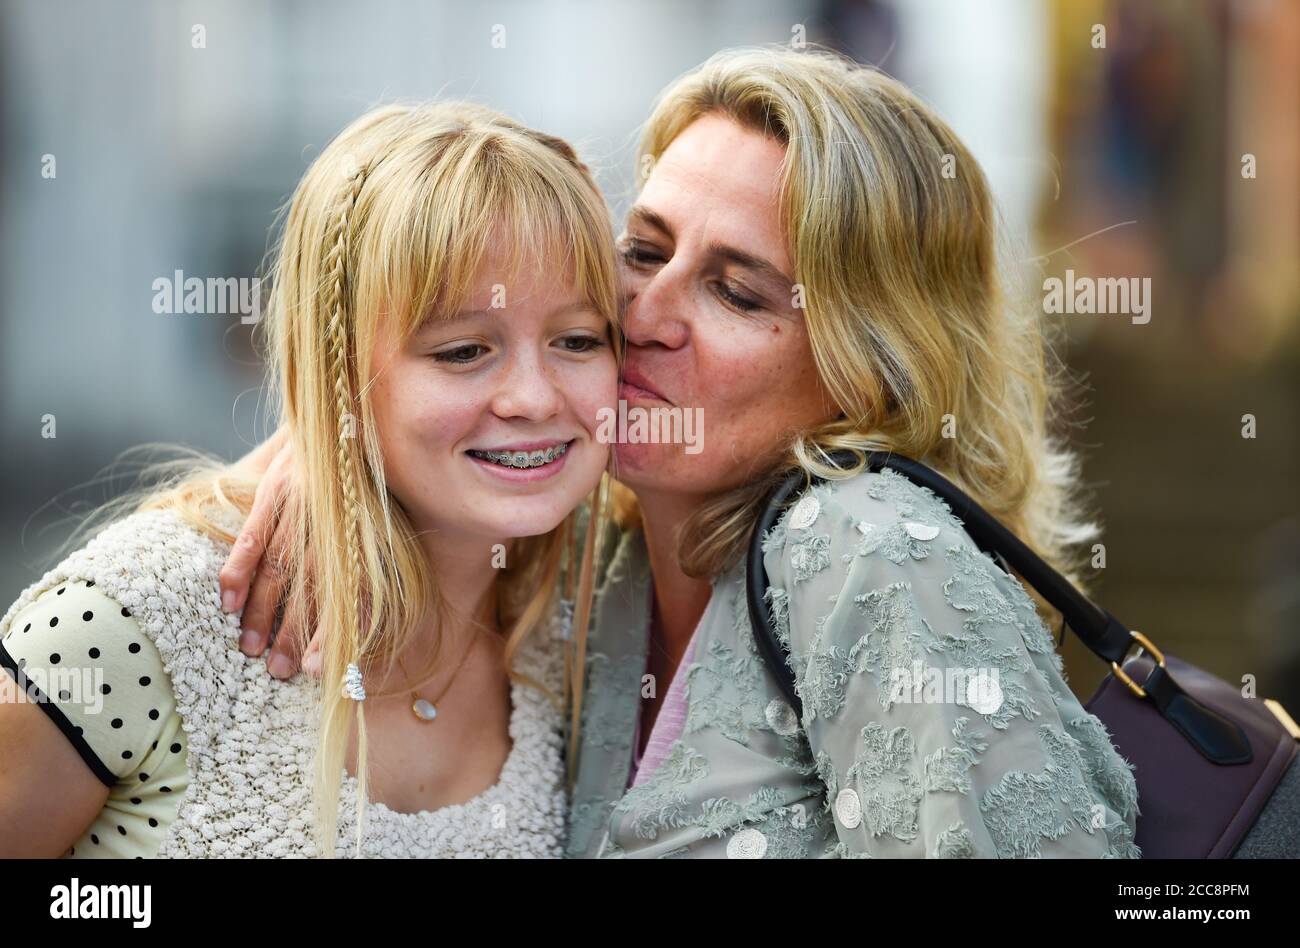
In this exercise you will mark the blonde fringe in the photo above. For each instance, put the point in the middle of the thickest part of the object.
(332, 268)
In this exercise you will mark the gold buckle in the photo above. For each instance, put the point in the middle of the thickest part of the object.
(1148, 645)
(1279, 712)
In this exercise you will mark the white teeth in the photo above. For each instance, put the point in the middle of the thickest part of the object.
(522, 459)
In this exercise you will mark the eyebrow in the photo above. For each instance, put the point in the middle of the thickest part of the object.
(650, 218)
(748, 261)
(727, 252)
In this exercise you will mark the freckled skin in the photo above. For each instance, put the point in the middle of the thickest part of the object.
(750, 369)
(751, 372)
(525, 386)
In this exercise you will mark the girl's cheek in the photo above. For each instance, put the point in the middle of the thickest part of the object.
(592, 387)
(447, 411)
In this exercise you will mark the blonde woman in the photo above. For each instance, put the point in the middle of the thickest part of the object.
(441, 337)
(799, 266)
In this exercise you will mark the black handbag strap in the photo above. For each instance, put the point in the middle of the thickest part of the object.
(1107, 637)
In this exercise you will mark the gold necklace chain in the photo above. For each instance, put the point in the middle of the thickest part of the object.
(426, 711)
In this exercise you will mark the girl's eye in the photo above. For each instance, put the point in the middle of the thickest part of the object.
(741, 302)
(461, 355)
(638, 254)
(581, 343)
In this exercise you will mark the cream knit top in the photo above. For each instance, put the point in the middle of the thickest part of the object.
(127, 649)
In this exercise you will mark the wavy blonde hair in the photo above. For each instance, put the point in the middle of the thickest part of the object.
(392, 221)
(909, 316)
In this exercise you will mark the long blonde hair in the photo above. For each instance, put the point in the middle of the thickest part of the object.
(893, 236)
(392, 221)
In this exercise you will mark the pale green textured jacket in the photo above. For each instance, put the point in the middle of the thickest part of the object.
(937, 721)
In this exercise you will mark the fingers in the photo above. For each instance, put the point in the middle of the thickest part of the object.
(241, 565)
(267, 592)
(257, 461)
(285, 654)
(250, 546)
(311, 659)
(249, 549)
(287, 650)
(253, 578)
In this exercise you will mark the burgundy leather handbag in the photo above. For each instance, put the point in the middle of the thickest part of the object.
(1207, 759)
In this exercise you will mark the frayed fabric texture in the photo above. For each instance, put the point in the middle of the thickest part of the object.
(252, 738)
(937, 722)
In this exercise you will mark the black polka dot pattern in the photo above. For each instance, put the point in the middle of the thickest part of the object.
(118, 701)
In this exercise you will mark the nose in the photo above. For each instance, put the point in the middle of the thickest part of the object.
(527, 390)
(657, 310)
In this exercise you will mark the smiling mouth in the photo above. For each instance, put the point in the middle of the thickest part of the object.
(523, 459)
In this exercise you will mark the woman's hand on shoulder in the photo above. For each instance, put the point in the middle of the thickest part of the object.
(253, 578)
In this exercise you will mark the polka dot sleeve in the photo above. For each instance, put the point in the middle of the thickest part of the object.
(99, 678)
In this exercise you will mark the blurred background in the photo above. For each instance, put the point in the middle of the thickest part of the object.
(1123, 138)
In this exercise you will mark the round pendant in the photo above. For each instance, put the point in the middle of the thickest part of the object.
(424, 710)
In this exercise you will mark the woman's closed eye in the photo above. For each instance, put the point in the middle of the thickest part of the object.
(638, 253)
(641, 255)
(735, 297)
